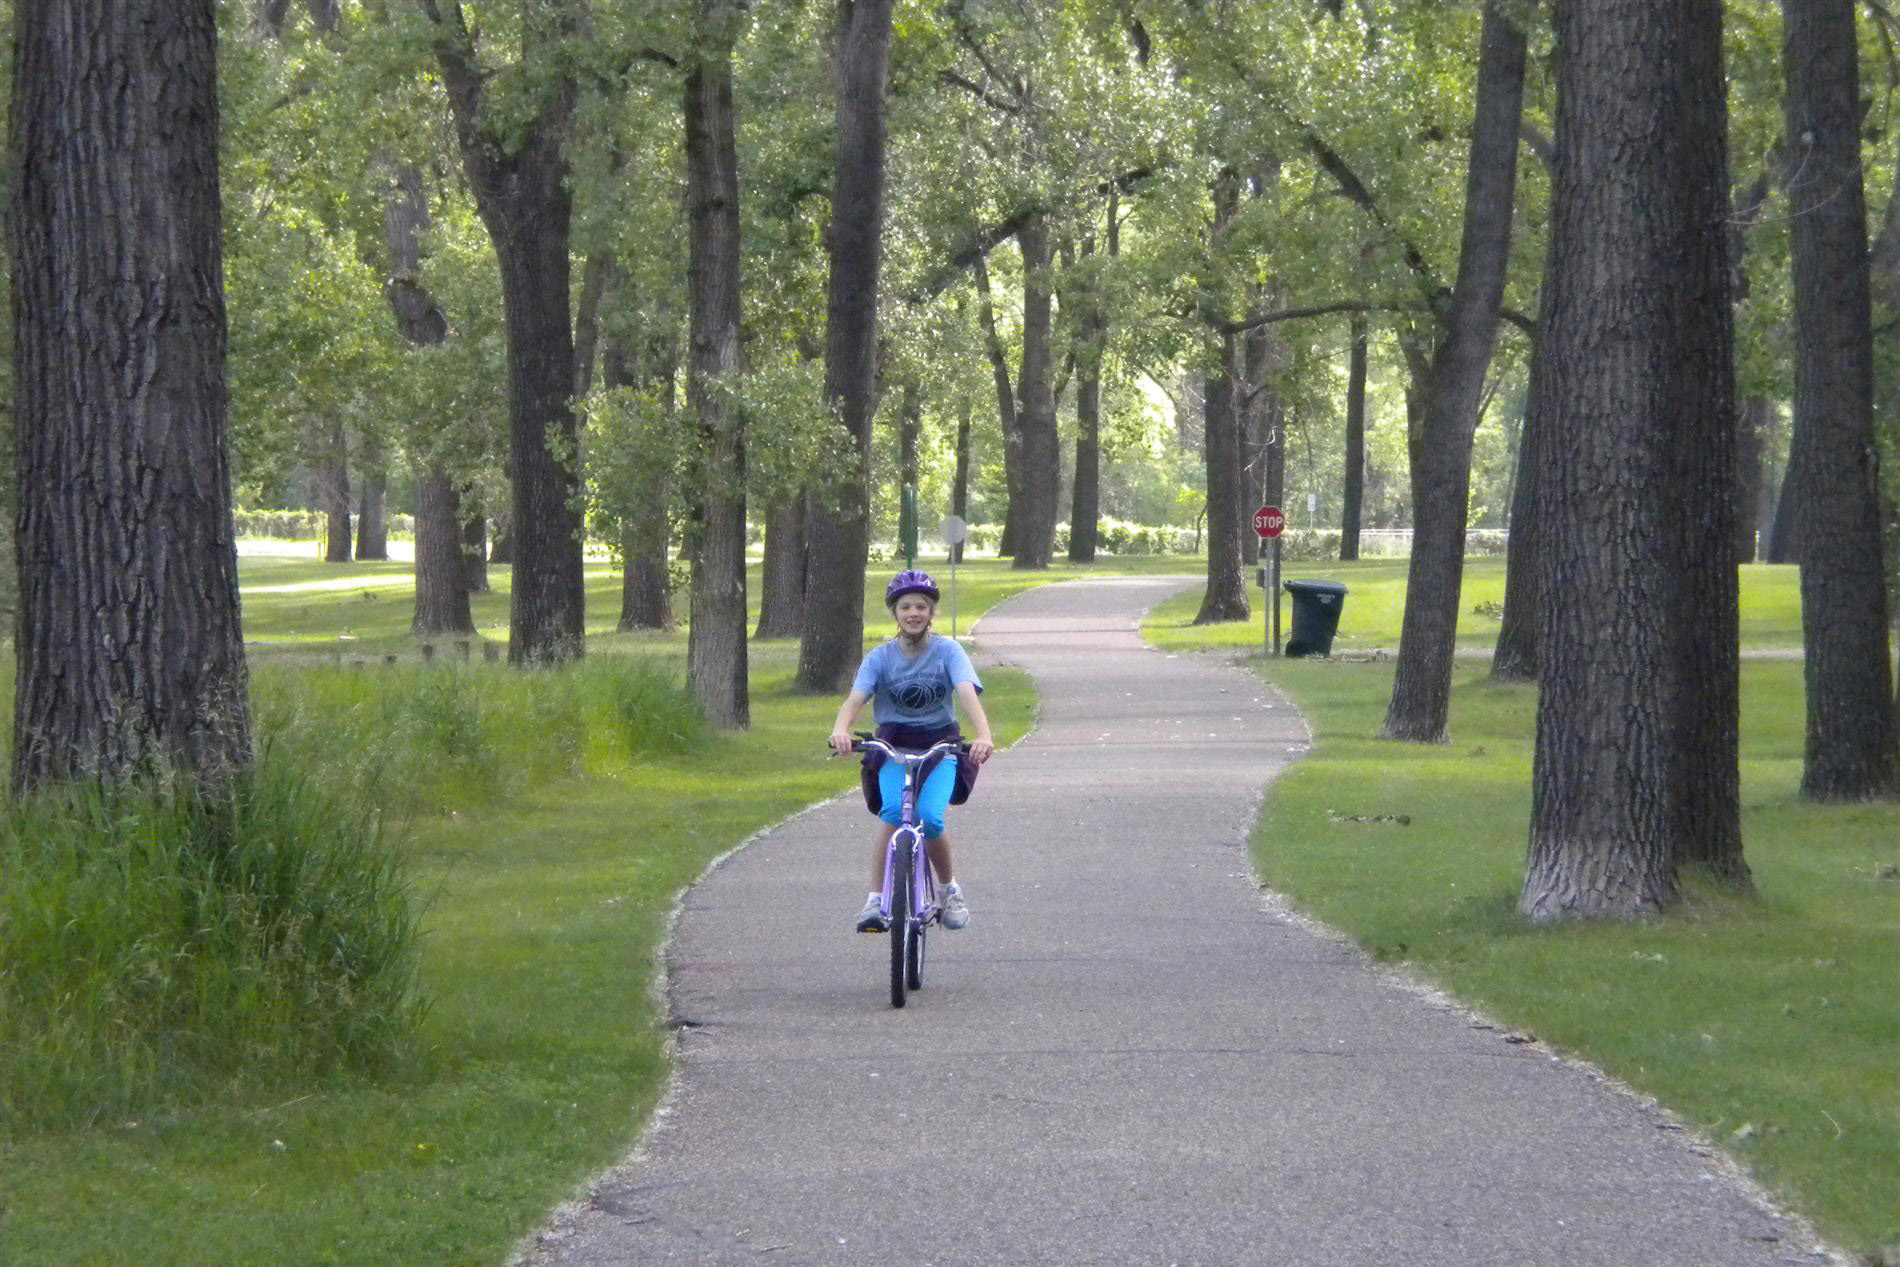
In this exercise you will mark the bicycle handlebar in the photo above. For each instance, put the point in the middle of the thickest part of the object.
(865, 742)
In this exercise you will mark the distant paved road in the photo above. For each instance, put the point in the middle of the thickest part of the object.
(1128, 1058)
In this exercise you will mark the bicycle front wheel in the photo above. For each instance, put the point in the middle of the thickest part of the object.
(902, 921)
(923, 898)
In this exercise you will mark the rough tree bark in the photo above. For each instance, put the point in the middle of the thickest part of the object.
(1852, 751)
(372, 519)
(1441, 447)
(1353, 502)
(716, 642)
(646, 586)
(1225, 597)
(333, 488)
(442, 605)
(1515, 656)
(1005, 406)
(1705, 617)
(517, 169)
(838, 529)
(960, 483)
(474, 544)
(1635, 375)
(1091, 339)
(130, 655)
(442, 588)
(1035, 518)
(782, 578)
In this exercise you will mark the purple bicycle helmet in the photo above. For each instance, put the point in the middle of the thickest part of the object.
(910, 581)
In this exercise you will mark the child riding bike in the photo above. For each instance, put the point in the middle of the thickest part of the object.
(913, 679)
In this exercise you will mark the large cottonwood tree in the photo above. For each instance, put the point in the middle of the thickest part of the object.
(716, 641)
(129, 649)
(512, 129)
(838, 531)
(1441, 446)
(1851, 747)
(1630, 738)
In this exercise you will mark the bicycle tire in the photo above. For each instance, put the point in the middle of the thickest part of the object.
(914, 972)
(901, 880)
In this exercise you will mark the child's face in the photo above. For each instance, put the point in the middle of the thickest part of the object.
(913, 612)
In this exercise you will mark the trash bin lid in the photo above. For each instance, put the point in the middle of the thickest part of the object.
(1315, 587)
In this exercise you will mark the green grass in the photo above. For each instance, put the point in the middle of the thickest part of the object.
(308, 611)
(1375, 608)
(1769, 1023)
(547, 885)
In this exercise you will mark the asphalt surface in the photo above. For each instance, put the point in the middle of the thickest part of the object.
(1131, 1056)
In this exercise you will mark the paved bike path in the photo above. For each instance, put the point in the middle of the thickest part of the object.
(1129, 1057)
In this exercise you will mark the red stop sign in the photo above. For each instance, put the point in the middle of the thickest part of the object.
(1269, 522)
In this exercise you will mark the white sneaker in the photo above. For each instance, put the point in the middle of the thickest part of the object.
(956, 912)
(871, 918)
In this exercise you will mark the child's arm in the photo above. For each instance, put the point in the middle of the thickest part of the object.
(841, 729)
(983, 746)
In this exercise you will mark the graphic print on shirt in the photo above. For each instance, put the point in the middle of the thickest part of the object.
(922, 692)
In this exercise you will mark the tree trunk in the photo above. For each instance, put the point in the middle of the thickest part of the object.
(1035, 518)
(960, 486)
(1516, 656)
(1005, 408)
(1225, 597)
(1705, 619)
(333, 481)
(716, 643)
(1355, 492)
(1852, 753)
(1226, 594)
(1085, 502)
(1086, 494)
(839, 528)
(782, 579)
(1441, 448)
(372, 523)
(474, 547)
(441, 576)
(597, 276)
(910, 424)
(1635, 287)
(1263, 430)
(1754, 419)
(519, 176)
(130, 654)
(646, 584)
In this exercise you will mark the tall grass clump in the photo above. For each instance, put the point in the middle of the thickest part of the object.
(430, 738)
(161, 943)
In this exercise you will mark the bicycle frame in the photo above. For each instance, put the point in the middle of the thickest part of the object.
(908, 837)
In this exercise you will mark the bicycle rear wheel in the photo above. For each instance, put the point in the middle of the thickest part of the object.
(902, 922)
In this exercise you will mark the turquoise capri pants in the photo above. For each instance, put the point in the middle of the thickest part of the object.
(933, 799)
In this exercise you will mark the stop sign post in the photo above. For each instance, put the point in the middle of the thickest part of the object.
(1269, 522)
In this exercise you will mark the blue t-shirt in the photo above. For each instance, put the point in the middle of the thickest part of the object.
(915, 691)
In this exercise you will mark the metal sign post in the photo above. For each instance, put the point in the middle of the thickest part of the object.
(953, 530)
(1269, 522)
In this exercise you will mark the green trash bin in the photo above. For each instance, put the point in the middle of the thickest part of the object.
(1316, 606)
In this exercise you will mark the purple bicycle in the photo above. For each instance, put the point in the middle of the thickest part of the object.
(910, 886)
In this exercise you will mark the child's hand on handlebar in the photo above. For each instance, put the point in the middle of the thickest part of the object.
(841, 742)
(981, 750)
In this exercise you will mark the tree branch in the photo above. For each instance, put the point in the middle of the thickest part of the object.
(978, 91)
